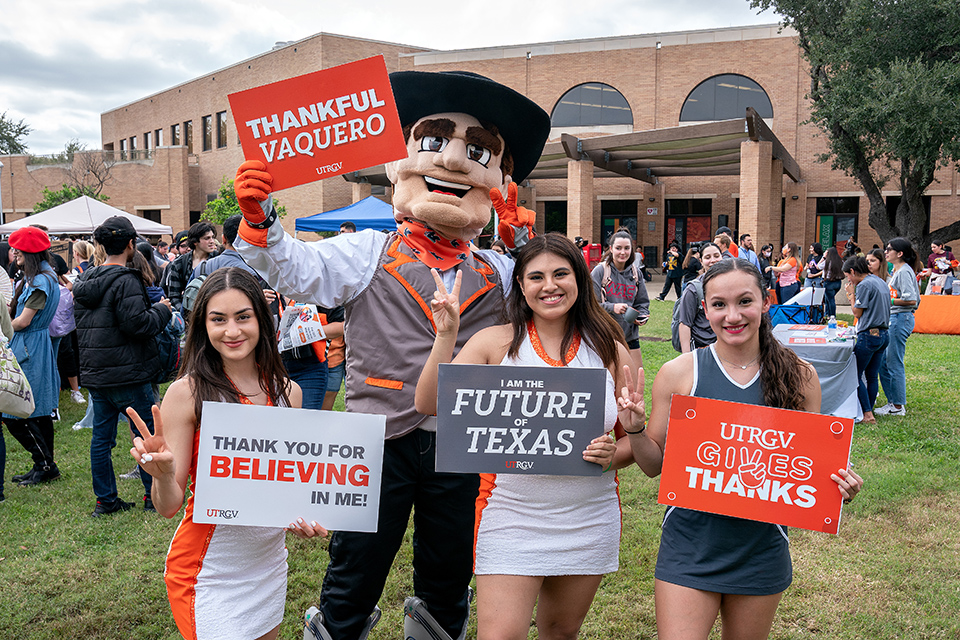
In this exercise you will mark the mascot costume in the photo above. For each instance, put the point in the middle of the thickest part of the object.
(469, 140)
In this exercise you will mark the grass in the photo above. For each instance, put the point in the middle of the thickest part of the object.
(892, 572)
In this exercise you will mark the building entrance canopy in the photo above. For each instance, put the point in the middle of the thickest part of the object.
(709, 149)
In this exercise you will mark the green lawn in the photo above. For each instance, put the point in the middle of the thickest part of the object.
(893, 572)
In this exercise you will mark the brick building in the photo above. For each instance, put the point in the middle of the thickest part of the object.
(174, 147)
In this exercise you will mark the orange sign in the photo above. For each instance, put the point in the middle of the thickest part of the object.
(808, 327)
(321, 124)
(757, 463)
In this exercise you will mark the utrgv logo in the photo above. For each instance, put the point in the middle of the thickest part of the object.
(222, 513)
(524, 465)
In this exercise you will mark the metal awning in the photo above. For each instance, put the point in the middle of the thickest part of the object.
(709, 149)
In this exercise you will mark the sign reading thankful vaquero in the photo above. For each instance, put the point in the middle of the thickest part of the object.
(320, 124)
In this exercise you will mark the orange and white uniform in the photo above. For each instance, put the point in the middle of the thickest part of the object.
(543, 525)
(225, 582)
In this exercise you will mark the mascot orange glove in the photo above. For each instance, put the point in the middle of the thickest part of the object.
(513, 218)
(252, 186)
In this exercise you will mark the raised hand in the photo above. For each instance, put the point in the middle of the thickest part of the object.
(252, 186)
(512, 216)
(633, 413)
(151, 451)
(446, 306)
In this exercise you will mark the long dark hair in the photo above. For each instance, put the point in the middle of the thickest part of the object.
(856, 264)
(782, 374)
(608, 254)
(202, 362)
(586, 318)
(833, 265)
(146, 265)
(32, 267)
(904, 246)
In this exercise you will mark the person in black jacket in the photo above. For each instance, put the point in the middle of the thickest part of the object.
(117, 328)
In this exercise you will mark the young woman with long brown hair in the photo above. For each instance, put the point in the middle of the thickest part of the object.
(788, 271)
(222, 581)
(710, 565)
(543, 540)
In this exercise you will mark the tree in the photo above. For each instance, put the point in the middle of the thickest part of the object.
(885, 89)
(11, 134)
(66, 194)
(225, 205)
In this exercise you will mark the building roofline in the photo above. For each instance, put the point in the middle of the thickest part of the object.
(261, 55)
(605, 42)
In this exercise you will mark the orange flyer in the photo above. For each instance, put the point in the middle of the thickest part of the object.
(757, 463)
(321, 124)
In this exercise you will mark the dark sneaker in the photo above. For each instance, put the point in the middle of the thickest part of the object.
(148, 504)
(38, 476)
(23, 476)
(103, 509)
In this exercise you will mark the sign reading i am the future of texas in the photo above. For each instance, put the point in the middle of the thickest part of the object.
(268, 466)
(321, 124)
(526, 420)
(757, 463)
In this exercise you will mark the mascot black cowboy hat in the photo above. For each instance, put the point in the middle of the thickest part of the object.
(523, 125)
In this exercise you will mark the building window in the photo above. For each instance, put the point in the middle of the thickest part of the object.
(687, 221)
(153, 215)
(175, 135)
(133, 143)
(592, 103)
(123, 149)
(188, 136)
(206, 122)
(222, 130)
(146, 140)
(837, 221)
(615, 214)
(158, 138)
(725, 97)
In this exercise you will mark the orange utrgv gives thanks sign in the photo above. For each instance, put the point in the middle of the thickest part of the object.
(321, 124)
(757, 463)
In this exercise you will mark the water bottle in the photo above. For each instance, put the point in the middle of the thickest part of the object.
(832, 327)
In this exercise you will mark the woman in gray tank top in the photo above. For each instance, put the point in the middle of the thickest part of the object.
(710, 565)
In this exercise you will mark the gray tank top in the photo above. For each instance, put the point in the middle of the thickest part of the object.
(710, 380)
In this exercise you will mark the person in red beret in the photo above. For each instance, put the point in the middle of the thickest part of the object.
(33, 306)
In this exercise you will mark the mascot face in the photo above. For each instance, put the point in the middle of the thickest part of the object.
(446, 178)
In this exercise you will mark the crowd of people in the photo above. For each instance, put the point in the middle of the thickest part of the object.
(428, 297)
(120, 296)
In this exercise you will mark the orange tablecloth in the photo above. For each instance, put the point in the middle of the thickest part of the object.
(938, 314)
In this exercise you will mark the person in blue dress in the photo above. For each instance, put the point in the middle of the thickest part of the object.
(34, 304)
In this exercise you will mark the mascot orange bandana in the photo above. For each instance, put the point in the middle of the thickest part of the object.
(430, 247)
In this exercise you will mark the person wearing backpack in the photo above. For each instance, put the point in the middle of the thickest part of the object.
(690, 328)
(620, 287)
(117, 328)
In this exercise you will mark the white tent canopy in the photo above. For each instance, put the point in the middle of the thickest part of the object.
(82, 216)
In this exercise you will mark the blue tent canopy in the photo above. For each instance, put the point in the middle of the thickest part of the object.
(369, 213)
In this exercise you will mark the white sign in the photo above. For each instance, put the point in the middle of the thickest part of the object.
(300, 325)
(268, 466)
(651, 211)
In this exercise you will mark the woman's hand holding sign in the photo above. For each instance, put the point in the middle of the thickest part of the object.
(848, 482)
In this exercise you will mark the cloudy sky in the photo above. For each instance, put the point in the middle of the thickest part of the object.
(63, 62)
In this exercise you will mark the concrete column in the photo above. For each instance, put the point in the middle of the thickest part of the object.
(580, 201)
(757, 188)
(361, 190)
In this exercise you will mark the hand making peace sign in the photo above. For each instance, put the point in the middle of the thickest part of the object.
(446, 306)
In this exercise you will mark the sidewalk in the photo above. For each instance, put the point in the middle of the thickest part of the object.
(655, 286)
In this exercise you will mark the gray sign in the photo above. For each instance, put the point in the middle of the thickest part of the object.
(528, 420)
